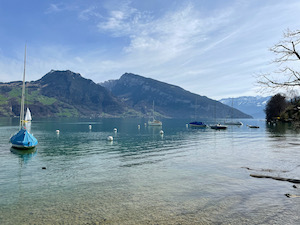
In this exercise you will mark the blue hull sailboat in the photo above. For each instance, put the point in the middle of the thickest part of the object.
(23, 139)
(197, 124)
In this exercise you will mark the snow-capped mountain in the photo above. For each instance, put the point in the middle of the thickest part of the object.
(252, 105)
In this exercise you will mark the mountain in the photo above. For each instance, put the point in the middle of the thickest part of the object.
(251, 105)
(61, 93)
(170, 101)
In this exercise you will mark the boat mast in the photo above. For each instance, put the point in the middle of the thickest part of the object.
(153, 111)
(23, 93)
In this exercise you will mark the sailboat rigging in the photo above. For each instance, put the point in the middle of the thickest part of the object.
(197, 124)
(154, 122)
(23, 139)
(232, 122)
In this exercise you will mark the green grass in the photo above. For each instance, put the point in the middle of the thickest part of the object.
(36, 96)
(15, 93)
(3, 100)
(68, 113)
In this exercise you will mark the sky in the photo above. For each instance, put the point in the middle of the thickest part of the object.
(213, 48)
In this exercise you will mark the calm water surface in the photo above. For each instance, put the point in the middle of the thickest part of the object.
(186, 176)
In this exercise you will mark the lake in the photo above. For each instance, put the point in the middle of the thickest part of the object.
(186, 176)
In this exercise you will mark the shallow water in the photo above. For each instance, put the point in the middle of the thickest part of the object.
(186, 176)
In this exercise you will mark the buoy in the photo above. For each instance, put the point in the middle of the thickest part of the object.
(187, 126)
(57, 131)
(139, 127)
(110, 138)
(145, 124)
(90, 126)
(115, 130)
(161, 132)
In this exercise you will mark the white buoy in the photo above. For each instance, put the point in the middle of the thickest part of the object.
(139, 127)
(57, 131)
(187, 125)
(115, 130)
(110, 138)
(145, 124)
(90, 126)
(161, 132)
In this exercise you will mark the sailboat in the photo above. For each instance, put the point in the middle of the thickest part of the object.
(217, 126)
(197, 124)
(23, 139)
(232, 122)
(154, 122)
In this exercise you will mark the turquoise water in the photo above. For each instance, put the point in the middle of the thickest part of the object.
(186, 176)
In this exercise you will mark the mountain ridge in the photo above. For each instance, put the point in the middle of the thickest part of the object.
(68, 94)
(170, 100)
(252, 105)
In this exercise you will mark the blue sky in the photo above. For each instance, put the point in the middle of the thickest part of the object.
(210, 47)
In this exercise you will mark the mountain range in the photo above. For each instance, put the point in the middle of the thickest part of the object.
(68, 94)
(252, 105)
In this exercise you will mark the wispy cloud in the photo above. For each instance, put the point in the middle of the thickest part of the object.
(196, 46)
(90, 12)
(53, 8)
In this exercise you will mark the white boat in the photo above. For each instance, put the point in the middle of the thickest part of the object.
(23, 139)
(238, 123)
(154, 122)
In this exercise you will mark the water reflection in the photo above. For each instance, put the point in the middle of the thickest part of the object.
(25, 155)
(278, 128)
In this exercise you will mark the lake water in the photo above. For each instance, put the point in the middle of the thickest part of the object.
(186, 176)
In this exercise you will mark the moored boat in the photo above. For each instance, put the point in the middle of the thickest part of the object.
(238, 123)
(154, 122)
(197, 124)
(23, 139)
(218, 127)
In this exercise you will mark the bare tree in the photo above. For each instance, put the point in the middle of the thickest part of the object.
(287, 59)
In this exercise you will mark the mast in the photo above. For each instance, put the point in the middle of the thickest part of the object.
(153, 111)
(23, 93)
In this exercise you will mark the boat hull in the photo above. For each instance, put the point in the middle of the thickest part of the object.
(197, 125)
(218, 127)
(154, 123)
(22, 147)
(233, 123)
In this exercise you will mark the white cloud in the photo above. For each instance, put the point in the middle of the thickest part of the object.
(198, 47)
(91, 12)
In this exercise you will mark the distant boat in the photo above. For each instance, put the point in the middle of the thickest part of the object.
(252, 126)
(197, 124)
(218, 127)
(23, 139)
(238, 123)
(154, 122)
(28, 117)
(232, 122)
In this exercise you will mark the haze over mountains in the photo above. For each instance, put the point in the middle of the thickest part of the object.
(65, 93)
(252, 105)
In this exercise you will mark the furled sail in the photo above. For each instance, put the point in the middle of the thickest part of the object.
(28, 115)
